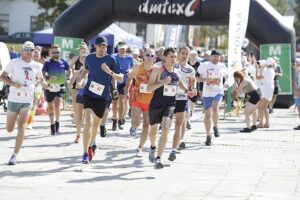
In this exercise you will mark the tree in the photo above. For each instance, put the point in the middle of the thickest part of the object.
(51, 10)
(279, 5)
(297, 16)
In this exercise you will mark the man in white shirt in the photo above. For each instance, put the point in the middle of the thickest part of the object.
(212, 73)
(23, 72)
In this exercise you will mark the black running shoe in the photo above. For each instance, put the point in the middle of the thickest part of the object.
(216, 131)
(94, 148)
(114, 125)
(208, 141)
(182, 145)
(246, 130)
(297, 128)
(188, 126)
(253, 128)
(103, 131)
(120, 125)
(158, 164)
(52, 128)
(57, 127)
(172, 156)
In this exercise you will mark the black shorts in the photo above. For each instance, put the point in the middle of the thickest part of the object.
(79, 99)
(276, 90)
(181, 106)
(254, 97)
(156, 115)
(194, 99)
(122, 89)
(97, 105)
(201, 86)
(49, 96)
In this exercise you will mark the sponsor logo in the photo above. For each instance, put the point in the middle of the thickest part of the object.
(186, 9)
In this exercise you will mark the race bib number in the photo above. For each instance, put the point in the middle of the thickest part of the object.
(54, 88)
(25, 93)
(170, 90)
(143, 88)
(96, 88)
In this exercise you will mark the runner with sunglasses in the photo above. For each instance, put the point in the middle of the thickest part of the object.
(140, 97)
(23, 73)
(55, 71)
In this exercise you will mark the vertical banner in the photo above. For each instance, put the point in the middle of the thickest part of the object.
(238, 21)
(67, 46)
(172, 35)
(283, 53)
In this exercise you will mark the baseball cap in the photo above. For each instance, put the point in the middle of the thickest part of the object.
(136, 51)
(270, 61)
(101, 41)
(208, 52)
(28, 45)
(215, 52)
(121, 45)
(194, 52)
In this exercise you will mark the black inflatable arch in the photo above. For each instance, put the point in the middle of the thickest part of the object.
(86, 18)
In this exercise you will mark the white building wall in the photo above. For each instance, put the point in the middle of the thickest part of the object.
(19, 12)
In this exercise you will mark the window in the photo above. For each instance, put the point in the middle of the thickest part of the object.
(34, 26)
(4, 21)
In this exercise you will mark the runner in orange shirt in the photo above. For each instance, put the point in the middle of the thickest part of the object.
(140, 98)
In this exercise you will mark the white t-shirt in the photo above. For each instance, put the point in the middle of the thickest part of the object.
(26, 74)
(210, 70)
(187, 74)
(269, 75)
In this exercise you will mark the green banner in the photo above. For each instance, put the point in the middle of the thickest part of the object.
(68, 45)
(283, 53)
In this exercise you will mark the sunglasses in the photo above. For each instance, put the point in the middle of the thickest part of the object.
(56, 52)
(149, 55)
(28, 50)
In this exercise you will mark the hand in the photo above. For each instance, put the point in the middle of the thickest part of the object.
(105, 68)
(190, 93)
(53, 78)
(167, 80)
(44, 85)
(79, 84)
(69, 85)
(16, 85)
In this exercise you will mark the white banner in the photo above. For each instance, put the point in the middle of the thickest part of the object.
(238, 21)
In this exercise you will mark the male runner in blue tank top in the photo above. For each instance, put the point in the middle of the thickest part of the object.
(164, 81)
(101, 68)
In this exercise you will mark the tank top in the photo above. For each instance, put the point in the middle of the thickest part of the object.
(250, 86)
(139, 93)
(78, 64)
(159, 100)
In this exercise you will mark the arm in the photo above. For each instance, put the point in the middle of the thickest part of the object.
(259, 72)
(117, 77)
(133, 71)
(240, 88)
(6, 80)
(153, 85)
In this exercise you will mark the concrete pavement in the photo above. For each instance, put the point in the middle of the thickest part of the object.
(261, 165)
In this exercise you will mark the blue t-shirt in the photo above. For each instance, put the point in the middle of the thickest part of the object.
(58, 69)
(13, 55)
(96, 74)
(125, 64)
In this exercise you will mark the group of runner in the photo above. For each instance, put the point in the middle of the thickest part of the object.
(153, 89)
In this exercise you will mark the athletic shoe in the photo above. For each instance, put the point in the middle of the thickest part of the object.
(133, 131)
(103, 131)
(297, 128)
(246, 130)
(77, 139)
(90, 153)
(182, 145)
(123, 121)
(57, 127)
(52, 128)
(85, 158)
(152, 155)
(114, 125)
(253, 128)
(12, 160)
(172, 156)
(271, 110)
(94, 148)
(216, 131)
(208, 141)
(29, 126)
(188, 126)
(139, 152)
(158, 164)
(120, 123)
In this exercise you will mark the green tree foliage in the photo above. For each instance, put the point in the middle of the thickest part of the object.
(51, 9)
(279, 5)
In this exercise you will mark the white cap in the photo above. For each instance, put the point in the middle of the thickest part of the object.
(194, 52)
(244, 59)
(208, 52)
(136, 51)
(270, 61)
(28, 45)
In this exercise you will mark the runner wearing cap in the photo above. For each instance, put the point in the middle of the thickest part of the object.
(212, 74)
(140, 97)
(55, 71)
(164, 81)
(101, 68)
(23, 72)
(120, 105)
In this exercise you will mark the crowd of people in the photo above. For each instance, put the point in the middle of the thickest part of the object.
(153, 86)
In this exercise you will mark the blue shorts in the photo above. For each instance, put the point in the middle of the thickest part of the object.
(17, 107)
(79, 99)
(297, 102)
(207, 101)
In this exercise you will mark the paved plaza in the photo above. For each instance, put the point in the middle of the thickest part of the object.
(262, 165)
